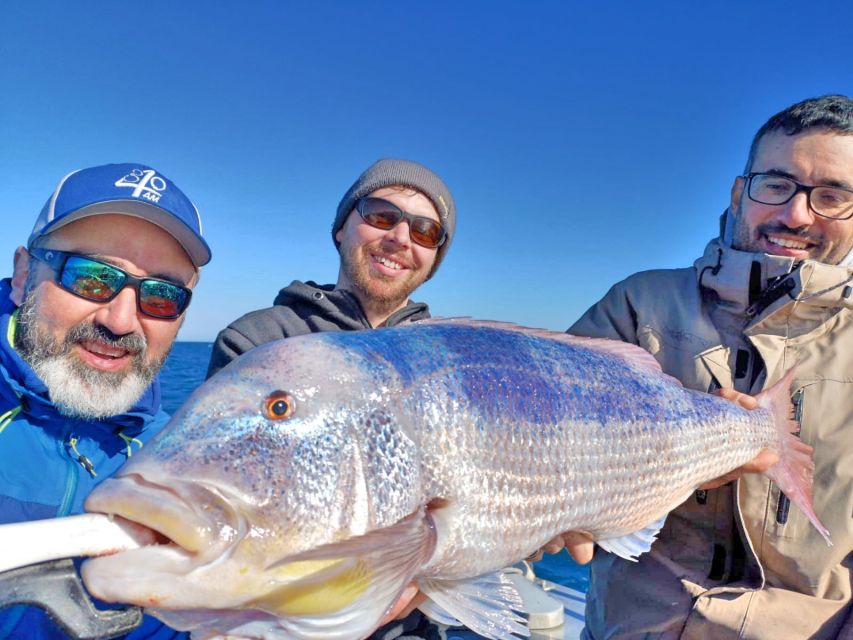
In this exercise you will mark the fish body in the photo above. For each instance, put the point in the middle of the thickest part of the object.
(308, 482)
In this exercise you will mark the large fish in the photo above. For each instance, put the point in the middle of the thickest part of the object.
(301, 489)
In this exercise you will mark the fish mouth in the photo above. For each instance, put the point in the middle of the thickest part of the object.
(188, 519)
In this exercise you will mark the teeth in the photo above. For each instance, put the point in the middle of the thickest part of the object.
(788, 244)
(388, 263)
(104, 350)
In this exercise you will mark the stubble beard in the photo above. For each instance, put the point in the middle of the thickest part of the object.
(77, 389)
(742, 239)
(384, 294)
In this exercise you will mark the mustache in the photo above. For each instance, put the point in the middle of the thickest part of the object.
(133, 343)
(800, 234)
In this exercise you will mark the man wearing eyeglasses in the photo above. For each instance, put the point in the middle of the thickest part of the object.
(86, 321)
(392, 229)
(774, 291)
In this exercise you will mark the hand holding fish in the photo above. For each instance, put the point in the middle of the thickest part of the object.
(581, 547)
(761, 463)
(408, 602)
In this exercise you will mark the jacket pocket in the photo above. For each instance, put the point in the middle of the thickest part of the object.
(825, 414)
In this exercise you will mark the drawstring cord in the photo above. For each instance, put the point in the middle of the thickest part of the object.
(6, 418)
(87, 464)
(128, 441)
(83, 460)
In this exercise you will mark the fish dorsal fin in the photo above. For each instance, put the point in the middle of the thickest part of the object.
(487, 605)
(630, 352)
(630, 546)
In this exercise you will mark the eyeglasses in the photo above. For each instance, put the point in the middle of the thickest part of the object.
(98, 281)
(386, 215)
(828, 202)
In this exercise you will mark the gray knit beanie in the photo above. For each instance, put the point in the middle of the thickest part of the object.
(405, 173)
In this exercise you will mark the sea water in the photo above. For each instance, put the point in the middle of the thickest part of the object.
(185, 370)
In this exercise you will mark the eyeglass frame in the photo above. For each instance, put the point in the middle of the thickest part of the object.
(799, 187)
(56, 261)
(404, 216)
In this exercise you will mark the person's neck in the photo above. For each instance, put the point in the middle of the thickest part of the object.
(377, 312)
(377, 315)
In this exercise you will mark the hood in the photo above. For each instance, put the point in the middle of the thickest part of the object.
(339, 306)
(31, 392)
(758, 284)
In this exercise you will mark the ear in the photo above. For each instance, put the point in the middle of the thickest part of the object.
(737, 192)
(339, 234)
(19, 275)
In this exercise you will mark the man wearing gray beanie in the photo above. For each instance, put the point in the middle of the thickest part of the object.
(392, 229)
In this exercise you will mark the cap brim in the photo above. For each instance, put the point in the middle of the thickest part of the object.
(195, 246)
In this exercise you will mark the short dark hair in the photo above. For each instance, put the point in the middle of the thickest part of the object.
(833, 112)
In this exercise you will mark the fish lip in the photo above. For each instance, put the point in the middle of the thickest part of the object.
(194, 517)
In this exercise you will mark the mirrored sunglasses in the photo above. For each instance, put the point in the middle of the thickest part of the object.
(385, 215)
(98, 281)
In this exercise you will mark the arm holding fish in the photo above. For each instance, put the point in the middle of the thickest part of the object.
(614, 317)
(761, 463)
(580, 546)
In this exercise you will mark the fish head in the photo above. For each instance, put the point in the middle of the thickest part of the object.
(296, 447)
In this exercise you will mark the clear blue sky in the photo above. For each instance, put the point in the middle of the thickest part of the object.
(582, 141)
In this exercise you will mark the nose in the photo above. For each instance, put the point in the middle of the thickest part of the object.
(400, 234)
(797, 212)
(120, 315)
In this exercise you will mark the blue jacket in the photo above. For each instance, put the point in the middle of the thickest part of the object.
(49, 463)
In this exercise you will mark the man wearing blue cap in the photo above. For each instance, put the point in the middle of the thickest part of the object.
(86, 321)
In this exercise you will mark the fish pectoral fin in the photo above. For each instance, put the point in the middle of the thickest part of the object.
(414, 535)
(632, 545)
(349, 586)
(487, 605)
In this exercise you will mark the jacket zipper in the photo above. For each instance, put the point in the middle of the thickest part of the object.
(71, 475)
(783, 286)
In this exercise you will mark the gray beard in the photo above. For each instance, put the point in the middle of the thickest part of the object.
(76, 389)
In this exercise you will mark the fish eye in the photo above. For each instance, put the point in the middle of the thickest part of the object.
(279, 405)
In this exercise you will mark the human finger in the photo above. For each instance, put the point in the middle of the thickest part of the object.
(743, 400)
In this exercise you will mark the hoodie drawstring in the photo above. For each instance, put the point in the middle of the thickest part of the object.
(83, 460)
(128, 441)
(7, 417)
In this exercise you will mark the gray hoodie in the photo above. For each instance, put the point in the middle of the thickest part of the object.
(298, 309)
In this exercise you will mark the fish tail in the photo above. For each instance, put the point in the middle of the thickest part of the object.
(793, 473)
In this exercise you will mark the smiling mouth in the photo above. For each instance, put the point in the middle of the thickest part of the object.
(104, 350)
(388, 262)
(788, 243)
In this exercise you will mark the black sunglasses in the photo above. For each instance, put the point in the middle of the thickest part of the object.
(385, 215)
(98, 281)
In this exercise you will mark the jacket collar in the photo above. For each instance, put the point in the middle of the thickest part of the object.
(758, 285)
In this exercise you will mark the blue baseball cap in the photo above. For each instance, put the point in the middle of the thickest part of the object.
(125, 189)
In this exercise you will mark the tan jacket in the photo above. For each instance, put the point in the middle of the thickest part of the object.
(703, 578)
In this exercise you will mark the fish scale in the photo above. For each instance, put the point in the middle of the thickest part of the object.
(516, 393)
(438, 452)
